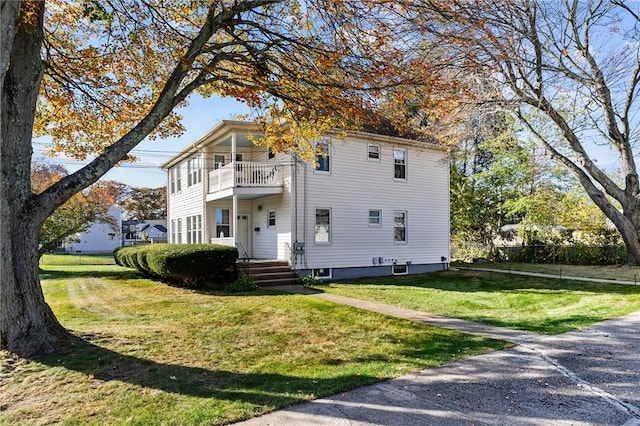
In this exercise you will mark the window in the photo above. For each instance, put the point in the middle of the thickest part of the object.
(271, 155)
(322, 156)
(173, 231)
(194, 171)
(400, 226)
(194, 228)
(178, 179)
(373, 152)
(400, 269)
(322, 272)
(239, 157)
(323, 226)
(112, 236)
(375, 217)
(223, 227)
(399, 163)
(179, 232)
(218, 161)
(172, 178)
(271, 219)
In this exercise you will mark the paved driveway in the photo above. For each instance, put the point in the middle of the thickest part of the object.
(586, 377)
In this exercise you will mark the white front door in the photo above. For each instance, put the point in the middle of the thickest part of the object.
(244, 249)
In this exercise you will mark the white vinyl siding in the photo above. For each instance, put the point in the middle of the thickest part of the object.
(357, 182)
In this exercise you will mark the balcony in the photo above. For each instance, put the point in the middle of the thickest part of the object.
(245, 179)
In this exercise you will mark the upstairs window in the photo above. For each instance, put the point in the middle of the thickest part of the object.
(373, 152)
(271, 155)
(194, 170)
(375, 218)
(271, 219)
(218, 161)
(178, 179)
(400, 163)
(322, 156)
(172, 179)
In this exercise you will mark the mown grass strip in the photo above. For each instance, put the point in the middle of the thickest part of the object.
(155, 354)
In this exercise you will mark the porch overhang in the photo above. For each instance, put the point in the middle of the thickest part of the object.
(244, 193)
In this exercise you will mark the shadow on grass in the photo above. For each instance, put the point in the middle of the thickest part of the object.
(255, 388)
(481, 281)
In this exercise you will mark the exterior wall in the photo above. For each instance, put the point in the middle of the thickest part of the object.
(189, 201)
(99, 238)
(377, 271)
(355, 185)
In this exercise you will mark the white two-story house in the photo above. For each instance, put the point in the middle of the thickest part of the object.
(370, 205)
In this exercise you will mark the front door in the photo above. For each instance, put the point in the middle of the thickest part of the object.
(244, 249)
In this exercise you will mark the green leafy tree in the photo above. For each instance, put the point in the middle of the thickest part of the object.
(145, 203)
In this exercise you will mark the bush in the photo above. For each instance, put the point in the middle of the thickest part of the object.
(577, 254)
(311, 281)
(191, 265)
(242, 285)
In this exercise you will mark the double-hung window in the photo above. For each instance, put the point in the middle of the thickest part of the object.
(400, 226)
(179, 232)
(223, 226)
(322, 156)
(173, 231)
(375, 218)
(323, 226)
(373, 152)
(194, 171)
(194, 229)
(271, 219)
(400, 163)
(172, 178)
(178, 179)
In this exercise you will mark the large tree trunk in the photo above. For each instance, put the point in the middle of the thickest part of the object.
(27, 324)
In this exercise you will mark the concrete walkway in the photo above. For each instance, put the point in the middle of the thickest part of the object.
(585, 377)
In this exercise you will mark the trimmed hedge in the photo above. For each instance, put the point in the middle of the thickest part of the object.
(576, 254)
(191, 265)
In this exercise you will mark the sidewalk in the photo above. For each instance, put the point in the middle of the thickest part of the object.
(586, 377)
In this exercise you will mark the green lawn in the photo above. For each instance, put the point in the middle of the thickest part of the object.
(548, 306)
(612, 272)
(156, 354)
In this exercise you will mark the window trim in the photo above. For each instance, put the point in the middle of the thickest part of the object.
(269, 225)
(228, 225)
(405, 227)
(178, 179)
(315, 272)
(326, 158)
(315, 229)
(194, 170)
(395, 164)
(395, 272)
(179, 231)
(379, 153)
(369, 217)
(173, 231)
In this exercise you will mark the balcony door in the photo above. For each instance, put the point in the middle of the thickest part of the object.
(244, 249)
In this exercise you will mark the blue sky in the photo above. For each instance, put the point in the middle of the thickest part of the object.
(198, 117)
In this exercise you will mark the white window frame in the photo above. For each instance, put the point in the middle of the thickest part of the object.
(179, 232)
(218, 164)
(323, 158)
(173, 231)
(315, 232)
(178, 179)
(322, 272)
(379, 217)
(397, 164)
(172, 180)
(194, 170)
(378, 153)
(189, 229)
(223, 224)
(269, 225)
(397, 269)
(404, 226)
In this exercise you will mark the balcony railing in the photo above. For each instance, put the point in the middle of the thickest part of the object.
(247, 174)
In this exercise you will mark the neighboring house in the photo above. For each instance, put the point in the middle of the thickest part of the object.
(99, 237)
(374, 205)
(144, 231)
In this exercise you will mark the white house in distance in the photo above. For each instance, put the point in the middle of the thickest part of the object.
(99, 237)
(374, 205)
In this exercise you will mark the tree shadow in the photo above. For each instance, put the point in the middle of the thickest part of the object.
(486, 281)
(255, 388)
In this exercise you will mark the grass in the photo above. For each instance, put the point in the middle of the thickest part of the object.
(155, 354)
(611, 272)
(547, 306)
